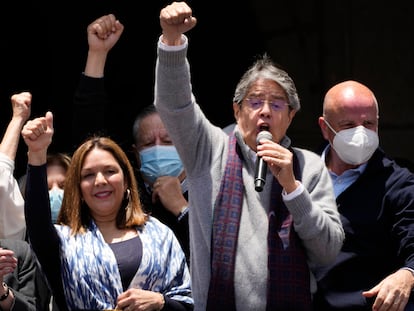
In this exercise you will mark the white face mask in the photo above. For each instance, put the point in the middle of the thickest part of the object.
(355, 145)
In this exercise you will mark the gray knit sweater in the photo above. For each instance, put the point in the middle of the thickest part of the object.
(203, 149)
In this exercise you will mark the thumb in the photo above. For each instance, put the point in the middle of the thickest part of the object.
(371, 292)
(49, 119)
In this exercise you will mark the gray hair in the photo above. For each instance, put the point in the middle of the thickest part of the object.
(265, 68)
(148, 110)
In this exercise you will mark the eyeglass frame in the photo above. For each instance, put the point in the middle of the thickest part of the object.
(281, 103)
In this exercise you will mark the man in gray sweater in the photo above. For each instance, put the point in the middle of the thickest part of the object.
(250, 250)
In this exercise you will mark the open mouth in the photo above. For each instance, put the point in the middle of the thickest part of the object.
(264, 127)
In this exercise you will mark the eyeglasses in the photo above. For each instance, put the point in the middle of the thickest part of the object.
(258, 103)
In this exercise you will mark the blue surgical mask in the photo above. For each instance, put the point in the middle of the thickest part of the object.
(55, 197)
(159, 161)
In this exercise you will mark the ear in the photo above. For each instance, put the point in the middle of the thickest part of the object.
(236, 111)
(291, 115)
(136, 153)
(324, 128)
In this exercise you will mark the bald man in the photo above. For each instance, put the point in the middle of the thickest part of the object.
(375, 197)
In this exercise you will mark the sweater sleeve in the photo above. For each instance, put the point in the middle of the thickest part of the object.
(90, 99)
(12, 224)
(315, 212)
(41, 232)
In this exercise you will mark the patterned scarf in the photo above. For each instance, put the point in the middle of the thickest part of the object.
(289, 283)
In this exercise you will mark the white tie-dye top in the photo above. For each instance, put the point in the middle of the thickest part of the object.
(90, 274)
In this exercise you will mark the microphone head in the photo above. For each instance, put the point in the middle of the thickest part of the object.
(263, 135)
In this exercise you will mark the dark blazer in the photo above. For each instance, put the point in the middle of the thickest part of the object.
(27, 281)
(377, 213)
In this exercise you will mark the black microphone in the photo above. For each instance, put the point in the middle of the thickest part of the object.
(261, 165)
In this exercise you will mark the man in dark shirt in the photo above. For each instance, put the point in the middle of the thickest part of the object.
(375, 196)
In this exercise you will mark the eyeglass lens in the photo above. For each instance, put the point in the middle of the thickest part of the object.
(257, 103)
